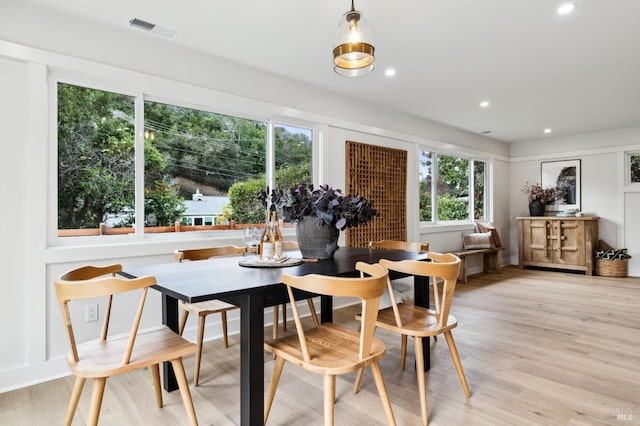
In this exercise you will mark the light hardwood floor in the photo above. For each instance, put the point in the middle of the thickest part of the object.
(538, 348)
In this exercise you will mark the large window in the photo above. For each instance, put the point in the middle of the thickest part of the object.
(200, 163)
(96, 158)
(633, 167)
(451, 188)
(293, 156)
(201, 172)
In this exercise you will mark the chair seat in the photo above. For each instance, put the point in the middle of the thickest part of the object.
(100, 358)
(335, 350)
(416, 321)
(207, 307)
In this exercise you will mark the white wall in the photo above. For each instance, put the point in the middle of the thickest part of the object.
(13, 122)
(603, 184)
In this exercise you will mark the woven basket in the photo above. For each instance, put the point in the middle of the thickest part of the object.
(612, 268)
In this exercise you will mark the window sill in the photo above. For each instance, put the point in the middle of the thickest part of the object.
(448, 227)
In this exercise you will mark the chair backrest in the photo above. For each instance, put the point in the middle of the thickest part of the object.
(90, 282)
(368, 289)
(206, 253)
(442, 266)
(400, 245)
(287, 245)
(290, 245)
(88, 272)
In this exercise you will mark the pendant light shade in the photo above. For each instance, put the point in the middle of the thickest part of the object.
(353, 51)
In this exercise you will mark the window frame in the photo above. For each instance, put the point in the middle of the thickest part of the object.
(54, 78)
(627, 168)
(488, 211)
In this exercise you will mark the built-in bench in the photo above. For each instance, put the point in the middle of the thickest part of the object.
(491, 260)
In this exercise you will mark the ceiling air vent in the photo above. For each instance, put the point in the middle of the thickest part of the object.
(148, 26)
(486, 132)
(143, 25)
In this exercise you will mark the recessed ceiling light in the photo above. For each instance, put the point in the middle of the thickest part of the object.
(567, 8)
(484, 104)
(390, 72)
(547, 130)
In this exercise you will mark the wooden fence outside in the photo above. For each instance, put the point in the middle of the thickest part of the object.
(178, 227)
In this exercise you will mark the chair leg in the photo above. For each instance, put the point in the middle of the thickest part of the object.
(314, 314)
(200, 343)
(183, 321)
(358, 380)
(436, 294)
(155, 372)
(96, 400)
(276, 314)
(223, 320)
(403, 351)
(382, 391)
(422, 387)
(329, 398)
(436, 299)
(73, 401)
(181, 378)
(284, 316)
(456, 361)
(273, 386)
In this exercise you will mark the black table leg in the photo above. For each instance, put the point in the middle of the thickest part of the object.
(170, 319)
(251, 359)
(421, 298)
(326, 309)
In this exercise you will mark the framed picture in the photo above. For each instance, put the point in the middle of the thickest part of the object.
(565, 176)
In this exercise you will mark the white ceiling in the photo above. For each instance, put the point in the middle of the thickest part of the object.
(573, 74)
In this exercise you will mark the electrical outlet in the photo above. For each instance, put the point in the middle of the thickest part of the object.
(91, 312)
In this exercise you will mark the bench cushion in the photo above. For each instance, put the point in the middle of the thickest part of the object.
(476, 240)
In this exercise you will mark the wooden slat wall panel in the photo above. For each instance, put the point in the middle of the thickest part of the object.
(380, 175)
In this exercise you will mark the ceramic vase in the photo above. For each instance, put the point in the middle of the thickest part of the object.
(536, 208)
(316, 240)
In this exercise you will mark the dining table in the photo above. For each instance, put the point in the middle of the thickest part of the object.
(253, 289)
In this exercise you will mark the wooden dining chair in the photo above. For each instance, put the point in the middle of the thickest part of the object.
(291, 246)
(329, 349)
(202, 309)
(419, 322)
(400, 245)
(111, 355)
(417, 248)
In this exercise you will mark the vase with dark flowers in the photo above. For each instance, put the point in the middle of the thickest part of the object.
(539, 197)
(321, 214)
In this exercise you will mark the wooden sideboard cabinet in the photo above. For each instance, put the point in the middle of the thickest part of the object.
(558, 242)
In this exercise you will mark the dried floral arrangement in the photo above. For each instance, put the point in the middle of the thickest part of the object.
(535, 191)
(327, 204)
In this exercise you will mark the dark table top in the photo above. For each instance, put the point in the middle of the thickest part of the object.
(223, 276)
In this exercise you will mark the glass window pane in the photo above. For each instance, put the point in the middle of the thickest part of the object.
(96, 160)
(293, 147)
(293, 156)
(453, 188)
(199, 162)
(634, 164)
(479, 181)
(426, 178)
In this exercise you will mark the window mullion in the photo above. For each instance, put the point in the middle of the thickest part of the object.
(139, 165)
(270, 165)
(434, 187)
(472, 203)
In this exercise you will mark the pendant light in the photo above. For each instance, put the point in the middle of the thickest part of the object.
(353, 51)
